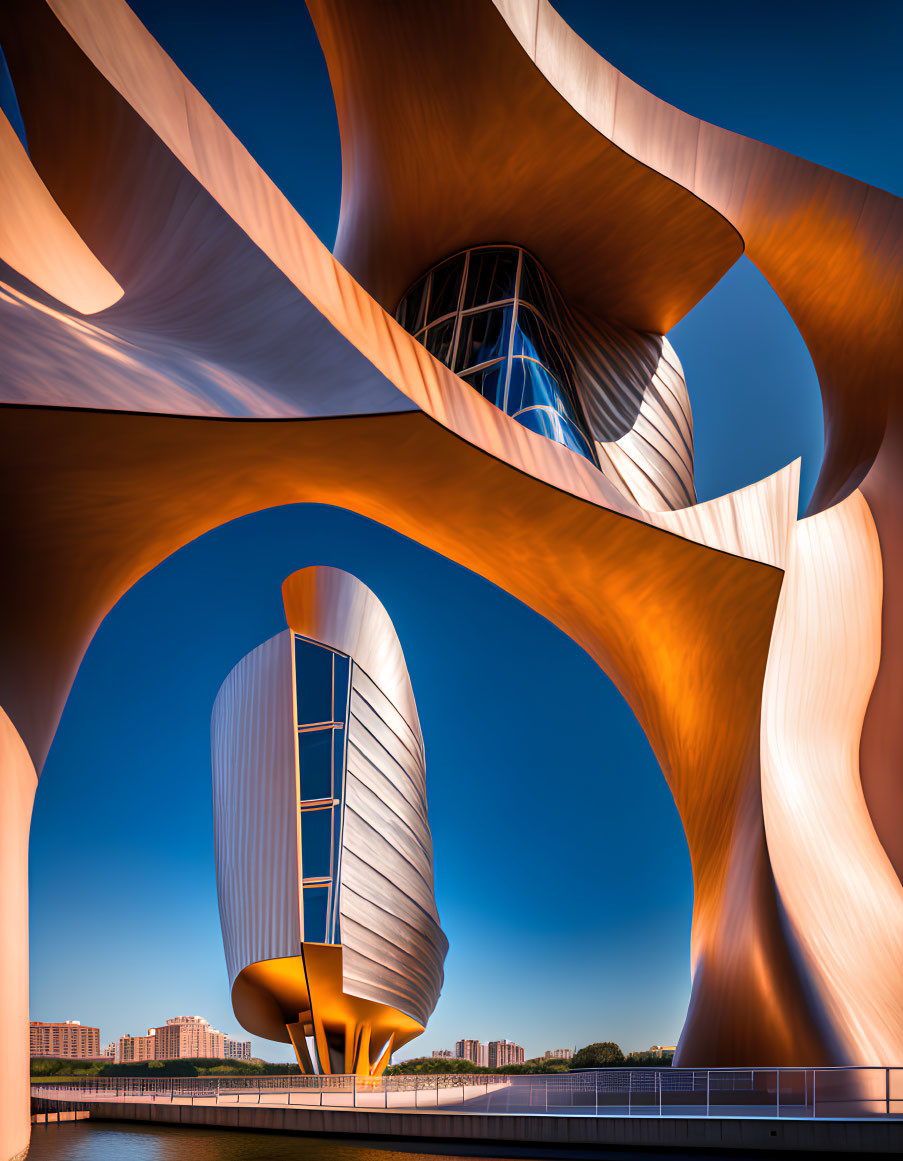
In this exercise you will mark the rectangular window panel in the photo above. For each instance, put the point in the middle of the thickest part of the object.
(316, 905)
(338, 761)
(315, 764)
(490, 277)
(446, 284)
(313, 670)
(484, 336)
(340, 685)
(316, 843)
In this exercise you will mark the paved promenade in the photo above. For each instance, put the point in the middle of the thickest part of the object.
(445, 1126)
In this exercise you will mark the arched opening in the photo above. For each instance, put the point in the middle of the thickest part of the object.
(561, 867)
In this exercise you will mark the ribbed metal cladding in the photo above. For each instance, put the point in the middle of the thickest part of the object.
(255, 807)
(637, 406)
(394, 946)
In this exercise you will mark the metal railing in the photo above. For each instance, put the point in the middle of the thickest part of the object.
(644, 1092)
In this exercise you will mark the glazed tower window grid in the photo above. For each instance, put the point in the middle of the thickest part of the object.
(494, 317)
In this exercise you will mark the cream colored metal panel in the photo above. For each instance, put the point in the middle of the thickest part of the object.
(839, 891)
(255, 807)
(394, 947)
(334, 607)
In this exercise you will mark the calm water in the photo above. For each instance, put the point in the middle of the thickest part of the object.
(105, 1141)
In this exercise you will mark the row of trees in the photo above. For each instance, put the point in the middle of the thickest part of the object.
(605, 1054)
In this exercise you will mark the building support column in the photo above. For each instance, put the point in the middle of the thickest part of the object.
(18, 781)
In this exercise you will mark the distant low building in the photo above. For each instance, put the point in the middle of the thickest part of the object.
(236, 1049)
(66, 1039)
(558, 1054)
(663, 1049)
(444, 1053)
(502, 1052)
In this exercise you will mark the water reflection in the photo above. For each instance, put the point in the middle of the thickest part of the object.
(96, 1141)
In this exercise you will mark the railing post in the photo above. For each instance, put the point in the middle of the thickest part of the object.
(437, 1090)
(813, 1092)
(708, 1090)
(659, 1079)
(354, 1090)
(629, 1090)
(596, 1089)
(887, 1090)
(386, 1087)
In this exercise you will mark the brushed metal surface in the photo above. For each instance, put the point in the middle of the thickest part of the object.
(255, 808)
(394, 946)
(94, 500)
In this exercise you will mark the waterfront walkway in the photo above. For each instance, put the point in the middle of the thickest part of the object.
(822, 1110)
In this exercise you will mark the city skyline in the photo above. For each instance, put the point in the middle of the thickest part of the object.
(663, 834)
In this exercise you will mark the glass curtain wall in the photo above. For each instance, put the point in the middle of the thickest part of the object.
(493, 316)
(321, 683)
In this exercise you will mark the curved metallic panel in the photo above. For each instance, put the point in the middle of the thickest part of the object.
(829, 245)
(333, 607)
(652, 462)
(394, 946)
(255, 808)
(94, 500)
(18, 782)
(37, 240)
(838, 889)
(622, 242)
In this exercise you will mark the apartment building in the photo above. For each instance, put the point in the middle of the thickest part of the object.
(189, 1036)
(502, 1052)
(236, 1049)
(67, 1039)
(135, 1048)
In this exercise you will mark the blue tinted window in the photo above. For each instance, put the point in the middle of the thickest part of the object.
(483, 337)
(465, 341)
(338, 761)
(316, 843)
(490, 383)
(445, 288)
(491, 276)
(316, 903)
(315, 764)
(342, 665)
(313, 675)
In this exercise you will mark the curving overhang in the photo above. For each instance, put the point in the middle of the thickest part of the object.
(451, 137)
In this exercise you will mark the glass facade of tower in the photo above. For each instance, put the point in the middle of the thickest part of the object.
(493, 316)
(321, 683)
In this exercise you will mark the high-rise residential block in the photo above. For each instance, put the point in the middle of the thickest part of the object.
(236, 1049)
(188, 1036)
(136, 1048)
(471, 1050)
(502, 1052)
(67, 1039)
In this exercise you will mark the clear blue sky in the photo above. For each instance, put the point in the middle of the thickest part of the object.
(562, 874)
